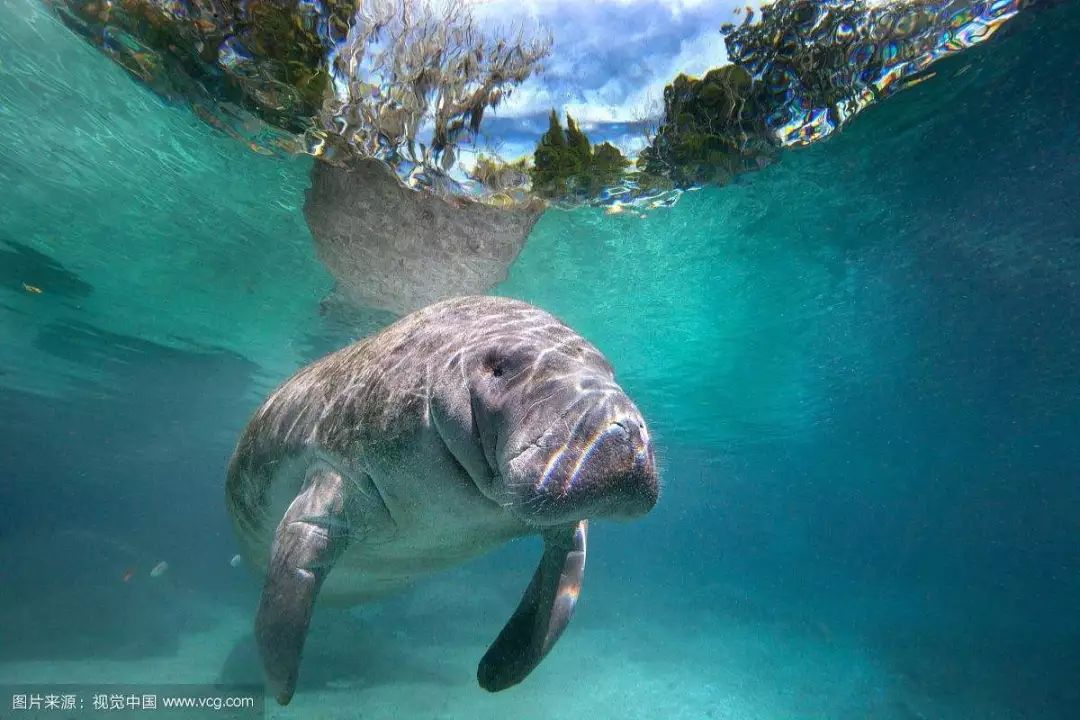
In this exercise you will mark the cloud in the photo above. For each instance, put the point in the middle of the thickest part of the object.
(611, 58)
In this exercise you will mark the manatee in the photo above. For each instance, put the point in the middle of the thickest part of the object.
(463, 425)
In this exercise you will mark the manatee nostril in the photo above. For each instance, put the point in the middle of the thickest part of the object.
(628, 423)
(633, 430)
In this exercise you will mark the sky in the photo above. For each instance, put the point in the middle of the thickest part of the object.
(609, 64)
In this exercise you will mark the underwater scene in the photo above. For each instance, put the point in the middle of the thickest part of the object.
(335, 335)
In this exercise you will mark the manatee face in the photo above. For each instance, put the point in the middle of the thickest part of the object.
(562, 440)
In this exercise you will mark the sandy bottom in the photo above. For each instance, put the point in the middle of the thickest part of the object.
(626, 655)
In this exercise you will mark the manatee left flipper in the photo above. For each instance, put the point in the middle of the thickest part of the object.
(310, 538)
(543, 613)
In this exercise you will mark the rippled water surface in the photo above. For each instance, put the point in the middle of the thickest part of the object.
(860, 360)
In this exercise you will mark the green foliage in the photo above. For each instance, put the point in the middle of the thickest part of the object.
(565, 164)
(554, 137)
(576, 141)
(711, 131)
(290, 57)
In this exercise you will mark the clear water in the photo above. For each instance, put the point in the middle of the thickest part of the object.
(862, 365)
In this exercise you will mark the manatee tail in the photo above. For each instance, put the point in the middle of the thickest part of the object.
(544, 611)
(309, 539)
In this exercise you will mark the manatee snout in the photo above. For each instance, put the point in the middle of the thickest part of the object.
(604, 467)
(637, 487)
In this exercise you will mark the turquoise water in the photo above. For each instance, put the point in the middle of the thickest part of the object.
(861, 365)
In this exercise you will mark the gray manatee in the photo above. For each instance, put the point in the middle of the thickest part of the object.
(466, 424)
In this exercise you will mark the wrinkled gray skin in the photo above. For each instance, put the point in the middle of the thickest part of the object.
(466, 424)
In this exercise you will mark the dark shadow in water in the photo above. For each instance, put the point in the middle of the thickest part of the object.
(21, 264)
(109, 481)
(1034, 676)
(66, 598)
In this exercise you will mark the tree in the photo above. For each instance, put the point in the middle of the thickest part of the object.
(565, 165)
(577, 143)
(363, 77)
(712, 129)
(553, 162)
(407, 64)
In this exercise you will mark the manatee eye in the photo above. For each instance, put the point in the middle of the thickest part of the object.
(495, 364)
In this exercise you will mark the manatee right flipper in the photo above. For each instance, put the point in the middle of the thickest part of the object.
(544, 611)
(309, 539)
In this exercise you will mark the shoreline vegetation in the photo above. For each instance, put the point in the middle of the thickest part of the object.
(409, 83)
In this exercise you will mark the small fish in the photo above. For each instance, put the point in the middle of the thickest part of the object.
(128, 574)
(159, 569)
(236, 561)
(31, 288)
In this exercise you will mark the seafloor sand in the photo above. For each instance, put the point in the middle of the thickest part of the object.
(664, 654)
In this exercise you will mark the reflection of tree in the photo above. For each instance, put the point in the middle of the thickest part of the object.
(566, 165)
(175, 55)
(278, 62)
(366, 76)
(711, 129)
(407, 65)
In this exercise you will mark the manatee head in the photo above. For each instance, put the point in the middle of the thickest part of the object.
(561, 439)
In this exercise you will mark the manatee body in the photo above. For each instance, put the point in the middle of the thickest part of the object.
(461, 426)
